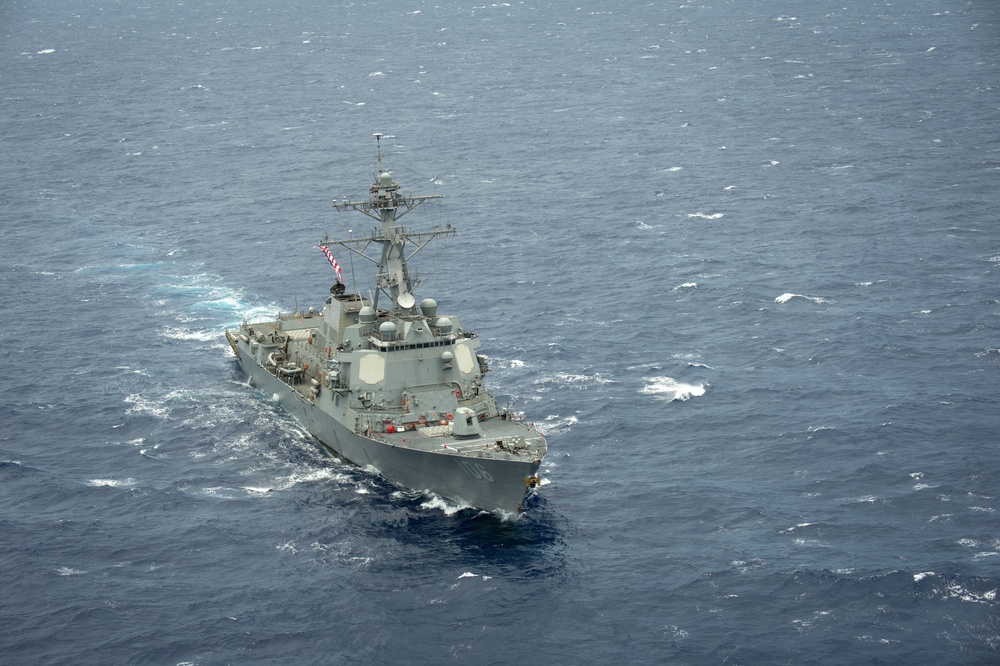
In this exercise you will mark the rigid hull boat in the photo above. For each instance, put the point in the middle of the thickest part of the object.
(389, 383)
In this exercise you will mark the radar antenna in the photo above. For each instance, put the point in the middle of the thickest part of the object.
(387, 204)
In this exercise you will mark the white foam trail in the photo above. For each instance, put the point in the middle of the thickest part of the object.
(187, 334)
(446, 507)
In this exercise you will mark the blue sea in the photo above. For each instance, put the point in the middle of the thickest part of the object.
(739, 259)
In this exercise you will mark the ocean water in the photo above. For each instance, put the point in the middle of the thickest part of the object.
(740, 259)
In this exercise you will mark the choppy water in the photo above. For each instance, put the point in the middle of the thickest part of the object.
(739, 258)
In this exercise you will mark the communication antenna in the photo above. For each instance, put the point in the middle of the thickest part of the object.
(378, 150)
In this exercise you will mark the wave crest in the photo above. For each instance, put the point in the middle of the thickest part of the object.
(670, 389)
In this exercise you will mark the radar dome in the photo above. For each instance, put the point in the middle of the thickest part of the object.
(429, 307)
(387, 330)
(367, 315)
(443, 324)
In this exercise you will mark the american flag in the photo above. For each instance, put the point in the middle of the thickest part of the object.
(333, 262)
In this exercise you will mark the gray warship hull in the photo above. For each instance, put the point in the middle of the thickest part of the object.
(383, 382)
(498, 485)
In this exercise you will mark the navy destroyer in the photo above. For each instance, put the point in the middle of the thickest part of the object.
(383, 381)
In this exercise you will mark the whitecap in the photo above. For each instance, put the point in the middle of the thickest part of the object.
(46, 51)
(956, 591)
(920, 576)
(111, 483)
(864, 499)
(670, 389)
(554, 423)
(221, 492)
(795, 527)
(706, 216)
(141, 405)
(67, 571)
(686, 285)
(569, 379)
(787, 296)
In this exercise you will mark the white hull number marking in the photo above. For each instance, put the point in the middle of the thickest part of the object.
(475, 470)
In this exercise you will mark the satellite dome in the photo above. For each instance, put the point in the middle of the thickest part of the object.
(429, 307)
(387, 330)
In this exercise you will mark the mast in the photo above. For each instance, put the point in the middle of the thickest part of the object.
(386, 205)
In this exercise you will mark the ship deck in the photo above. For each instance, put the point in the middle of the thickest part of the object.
(499, 438)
